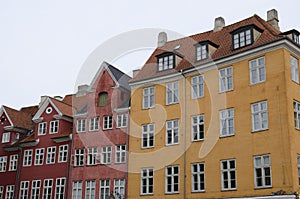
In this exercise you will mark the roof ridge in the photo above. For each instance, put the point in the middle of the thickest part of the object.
(267, 25)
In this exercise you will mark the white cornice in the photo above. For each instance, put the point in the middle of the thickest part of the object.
(62, 117)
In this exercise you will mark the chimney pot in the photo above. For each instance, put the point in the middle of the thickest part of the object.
(272, 18)
(219, 24)
(162, 39)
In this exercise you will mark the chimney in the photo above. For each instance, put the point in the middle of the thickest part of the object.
(82, 90)
(162, 39)
(272, 18)
(135, 72)
(219, 24)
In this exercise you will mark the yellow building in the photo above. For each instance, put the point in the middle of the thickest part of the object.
(217, 115)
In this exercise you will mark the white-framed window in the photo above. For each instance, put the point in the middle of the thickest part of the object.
(122, 120)
(79, 157)
(13, 163)
(198, 127)
(225, 79)
(226, 122)
(198, 177)
(172, 132)
(24, 186)
(120, 156)
(3, 162)
(90, 189)
(63, 153)
(42, 129)
(297, 114)
(81, 125)
(298, 160)
(262, 171)
(201, 51)
(147, 135)
(294, 69)
(228, 174)
(92, 155)
(148, 97)
(107, 122)
(259, 116)
(119, 188)
(39, 156)
(104, 189)
(51, 152)
(197, 86)
(166, 62)
(106, 155)
(1, 192)
(77, 190)
(257, 70)
(94, 124)
(6, 137)
(47, 190)
(147, 181)
(172, 92)
(35, 189)
(60, 188)
(242, 38)
(172, 179)
(10, 189)
(27, 161)
(54, 126)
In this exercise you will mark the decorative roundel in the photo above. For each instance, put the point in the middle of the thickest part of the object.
(49, 110)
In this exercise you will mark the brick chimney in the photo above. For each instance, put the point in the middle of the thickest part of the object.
(162, 39)
(82, 90)
(272, 18)
(219, 24)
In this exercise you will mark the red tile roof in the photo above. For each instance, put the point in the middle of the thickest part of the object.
(64, 108)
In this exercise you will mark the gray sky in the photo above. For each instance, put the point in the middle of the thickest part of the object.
(44, 44)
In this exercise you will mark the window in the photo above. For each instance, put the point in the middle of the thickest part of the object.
(148, 135)
(3, 161)
(10, 192)
(53, 127)
(6, 137)
(225, 79)
(243, 38)
(103, 99)
(198, 177)
(63, 153)
(197, 86)
(81, 125)
(228, 175)
(39, 156)
(119, 188)
(227, 122)
(1, 192)
(47, 191)
(13, 162)
(79, 157)
(60, 188)
(27, 157)
(201, 51)
(298, 158)
(172, 133)
(166, 62)
(198, 127)
(172, 179)
(147, 181)
(92, 155)
(94, 124)
(24, 186)
(106, 155)
(297, 114)
(107, 122)
(262, 171)
(148, 97)
(172, 92)
(90, 189)
(51, 151)
(120, 156)
(257, 70)
(294, 69)
(77, 190)
(259, 116)
(122, 121)
(104, 189)
(35, 189)
(42, 128)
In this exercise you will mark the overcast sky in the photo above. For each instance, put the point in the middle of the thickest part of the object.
(44, 45)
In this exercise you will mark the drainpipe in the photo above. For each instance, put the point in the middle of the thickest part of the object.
(69, 167)
(18, 172)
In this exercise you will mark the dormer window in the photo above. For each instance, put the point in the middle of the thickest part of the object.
(245, 36)
(201, 51)
(293, 35)
(296, 38)
(166, 61)
(6, 137)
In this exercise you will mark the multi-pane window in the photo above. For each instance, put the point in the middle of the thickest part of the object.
(106, 155)
(92, 155)
(148, 97)
(166, 62)
(39, 156)
(298, 158)
(120, 156)
(172, 179)
(77, 190)
(201, 52)
(148, 135)
(53, 126)
(3, 162)
(104, 189)
(122, 120)
(172, 92)
(228, 174)
(198, 127)
(119, 188)
(81, 125)
(1, 192)
(297, 114)
(27, 161)
(42, 128)
(197, 86)
(94, 124)
(107, 122)
(294, 69)
(60, 188)
(227, 122)
(79, 157)
(63, 153)
(198, 177)
(24, 186)
(242, 38)
(6, 137)
(51, 152)
(147, 181)
(225, 79)
(10, 189)
(259, 116)
(35, 189)
(172, 132)
(47, 191)
(262, 171)
(257, 70)
(90, 188)
(13, 162)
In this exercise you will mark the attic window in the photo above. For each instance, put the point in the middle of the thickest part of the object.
(2, 119)
(165, 62)
(296, 38)
(103, 98)
(201, 51)
(243, 38)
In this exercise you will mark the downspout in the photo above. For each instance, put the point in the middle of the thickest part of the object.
(18, 172)
(69, 167)
(127, 154)
(184, 135)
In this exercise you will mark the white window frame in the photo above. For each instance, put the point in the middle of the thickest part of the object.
(201, 52)
(148, 136)
(227, 169)
(35, 189)
(51, 155)
(92, 155)
(198, 127)
(197, 86)
(81, 125)
(79, 157)
(10, 190)
(6, 137)
(39, 156)
(226, 79)
(227, 122)
(172, 131)
(120, 154)
(106, 153)
(107, 122)
(27, 161)
(259, 69)
(166, 62)
(172, 93)
(13, 163)
(63, 153)
(47, 188)
(119, 188)
(148, 97)
(104, 189)
(42, 128)
(94, 123)
(90, 189)
(3, 163)
(198, 177)
(294, 69)
(54, 126)
(258, 116)
(77, 190)
(122, 120)
(264, 165)
(173, 176)
(1, 192)
(297, 114)
(242, 38)
(60, 188)
(147, 181)
(24, 189)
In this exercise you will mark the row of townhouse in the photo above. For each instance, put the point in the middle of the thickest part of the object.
(212, 115)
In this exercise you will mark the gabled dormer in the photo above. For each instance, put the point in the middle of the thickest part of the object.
(292, 35)
(204, 50)
(167, 60)
(245, 36)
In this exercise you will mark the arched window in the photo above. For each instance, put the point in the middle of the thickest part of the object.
(103, 97)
